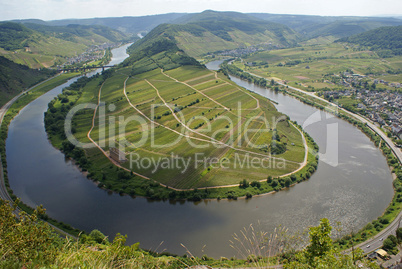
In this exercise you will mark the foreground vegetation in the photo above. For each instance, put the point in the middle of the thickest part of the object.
(28, 242)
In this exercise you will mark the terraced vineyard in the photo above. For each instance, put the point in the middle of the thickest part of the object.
(203, 128)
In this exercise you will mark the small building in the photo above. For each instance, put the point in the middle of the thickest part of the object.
(117, 155)
(381, 253)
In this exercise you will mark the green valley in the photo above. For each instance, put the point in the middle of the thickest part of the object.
(150, 145)
(40, 46)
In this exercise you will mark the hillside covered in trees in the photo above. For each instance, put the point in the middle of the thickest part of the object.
(386, 41)
(15, 78)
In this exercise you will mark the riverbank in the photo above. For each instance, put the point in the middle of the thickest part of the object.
(389, 220)
(7, 113)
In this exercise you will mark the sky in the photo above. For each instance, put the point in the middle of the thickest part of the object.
(63, 9)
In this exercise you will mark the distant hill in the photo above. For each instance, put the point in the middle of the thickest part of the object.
(212, 31)
(14, 36)
(75, 32)
(40, 45)
(341, 26)
(310, 26)
(386, 41)
(127, 25)
(15, 77)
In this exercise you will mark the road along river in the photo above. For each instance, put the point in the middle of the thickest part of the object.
(355, 191)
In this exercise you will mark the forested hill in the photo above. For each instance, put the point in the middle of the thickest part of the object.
(13, 35)
(211, 31)
(386, 41)
(15, 77)
(310, 26)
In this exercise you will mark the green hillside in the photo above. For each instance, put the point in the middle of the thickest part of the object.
(337, 26)
(15, 77)
(212, 31)
(38, 46)
(385, 40)
(81, 33)
(13, 36)
(127, 25)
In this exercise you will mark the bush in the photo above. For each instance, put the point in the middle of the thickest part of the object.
(244, 184)
(269, 179)
(256, 184)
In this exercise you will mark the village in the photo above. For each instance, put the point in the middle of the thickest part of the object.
(93, 53)
(380, 105)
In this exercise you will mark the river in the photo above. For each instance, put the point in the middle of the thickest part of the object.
(354, 192)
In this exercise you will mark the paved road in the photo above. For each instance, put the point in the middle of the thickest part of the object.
(376, 241)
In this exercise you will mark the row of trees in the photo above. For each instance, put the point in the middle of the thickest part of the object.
(231, 69)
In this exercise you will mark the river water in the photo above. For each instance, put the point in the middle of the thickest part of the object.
(355, 191)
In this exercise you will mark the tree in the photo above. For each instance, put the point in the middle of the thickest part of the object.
(388, 244)
(321, 254)
(98, 236)
(244, 184)
(269, 179)
(320, 241)
(399, 234)
(26, 239)
(288, 181)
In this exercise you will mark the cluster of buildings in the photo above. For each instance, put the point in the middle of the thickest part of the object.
(384, 108)
(93, 53)
(239, 52)
(348, 79)
(381, 106)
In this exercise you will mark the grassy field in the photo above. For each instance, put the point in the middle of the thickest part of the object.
(205, 129)
(308, 65)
